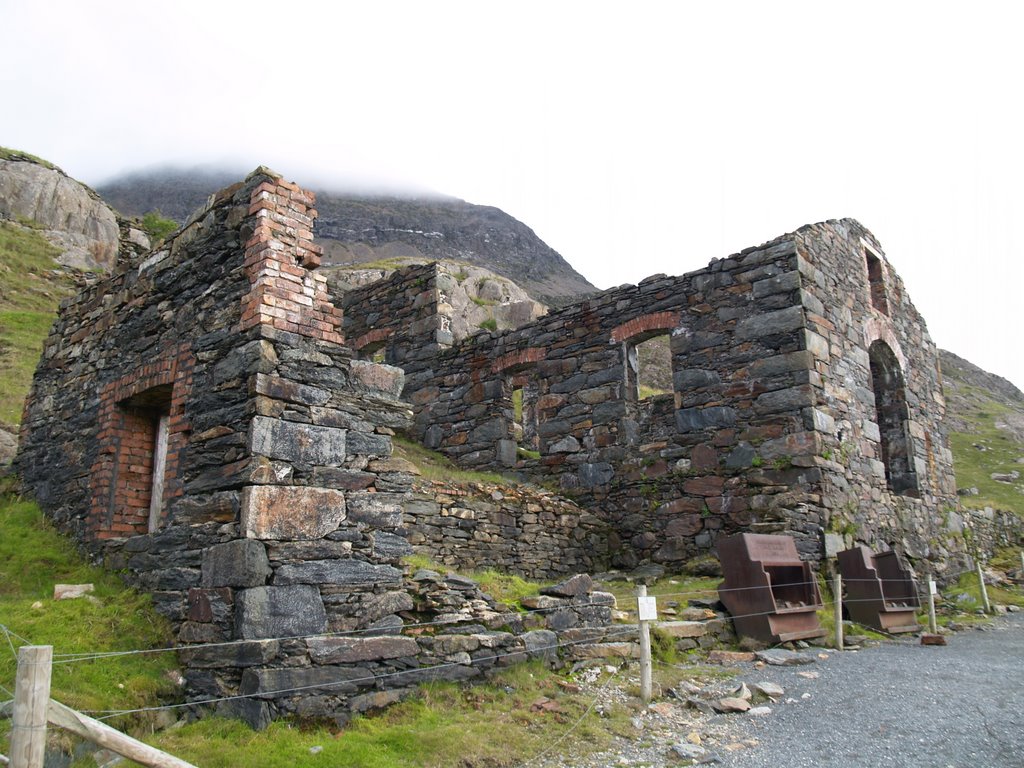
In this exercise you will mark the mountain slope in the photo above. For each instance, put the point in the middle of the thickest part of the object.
(356, 229)
(985, 419)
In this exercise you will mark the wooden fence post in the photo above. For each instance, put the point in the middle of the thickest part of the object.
(112, 739)
(837, 588)
(643, 619)
(984, 589)
(933, 625)
(31, 699)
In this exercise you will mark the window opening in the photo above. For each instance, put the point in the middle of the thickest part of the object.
(523, 393)
(648, 366)
(142, 461)
(892, 415)
(876, 281)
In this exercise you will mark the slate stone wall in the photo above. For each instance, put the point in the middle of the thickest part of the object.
(525, 530)
(278, 533)
(772, 424)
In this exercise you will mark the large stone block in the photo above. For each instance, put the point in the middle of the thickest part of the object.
(296, 442)
(271, 683)
(346, 650)
(239, 563)
(337, 572)
(770, 323)
(288, 611)
(383, 379)
(378, 510)
(696, 419)
(291, 512)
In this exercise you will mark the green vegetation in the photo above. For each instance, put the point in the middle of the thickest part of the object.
(482, 302)
(157, 226)
(503, 587)
(998, 454)
(7, 153)
(490, 324)
(34, 557)
(436, 466)
(526, 453)
(493, 724)
(648, 392)
(31, 287)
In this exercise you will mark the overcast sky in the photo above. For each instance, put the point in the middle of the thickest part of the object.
(633, 138)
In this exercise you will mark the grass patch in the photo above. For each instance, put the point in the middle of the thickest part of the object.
(490, 324)
(965, 594)
(669, 589)
(998, 452)
(34, 557)
(646, 392)
(436, 466)
(6, 153)
(31, 288)
(493, 724)
(504, 587)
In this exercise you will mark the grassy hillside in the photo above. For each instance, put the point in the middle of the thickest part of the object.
(985, 418)
(32, 284)
(33, 558)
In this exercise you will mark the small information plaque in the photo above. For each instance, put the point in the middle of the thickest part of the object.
(647, 608)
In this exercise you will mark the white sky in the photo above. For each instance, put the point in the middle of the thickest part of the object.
(633, 138)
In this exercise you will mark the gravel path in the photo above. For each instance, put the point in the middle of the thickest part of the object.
(900, 704)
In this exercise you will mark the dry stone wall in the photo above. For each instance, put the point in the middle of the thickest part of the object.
(197, 420)
(806, 399)
(527, 531)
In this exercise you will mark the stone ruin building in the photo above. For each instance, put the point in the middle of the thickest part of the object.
(210, 419)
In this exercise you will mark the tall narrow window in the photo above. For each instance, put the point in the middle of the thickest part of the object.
(876, 281)
(892, 416)
(648, 368)
(142, 456)
(524, 393)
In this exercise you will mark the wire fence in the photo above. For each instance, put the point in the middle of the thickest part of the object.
(623, 632)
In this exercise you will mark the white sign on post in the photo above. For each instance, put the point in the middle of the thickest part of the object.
(931, 586)
(647, 608)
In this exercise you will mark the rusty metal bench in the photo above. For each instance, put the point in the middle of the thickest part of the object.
(879, 592)
(772, 594)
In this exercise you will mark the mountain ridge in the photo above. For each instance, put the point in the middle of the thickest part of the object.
(356, 228)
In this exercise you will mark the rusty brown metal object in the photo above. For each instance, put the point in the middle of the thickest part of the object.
(772, 594)
(880, 592)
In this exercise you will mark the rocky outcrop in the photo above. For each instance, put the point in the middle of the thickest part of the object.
(71, 215)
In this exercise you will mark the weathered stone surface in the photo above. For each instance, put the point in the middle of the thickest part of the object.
(296, 442)
(338, 572)
(683, 628)
(290, 512)
(279, 611)
(71, 591)
(541, 644)
(238, 655)
(345, 650)
(387, 380)
(729, 657)
(268, 683)
(378, 510)
(239, 563)
(780, 657)
(575, 586)
(72, 217)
